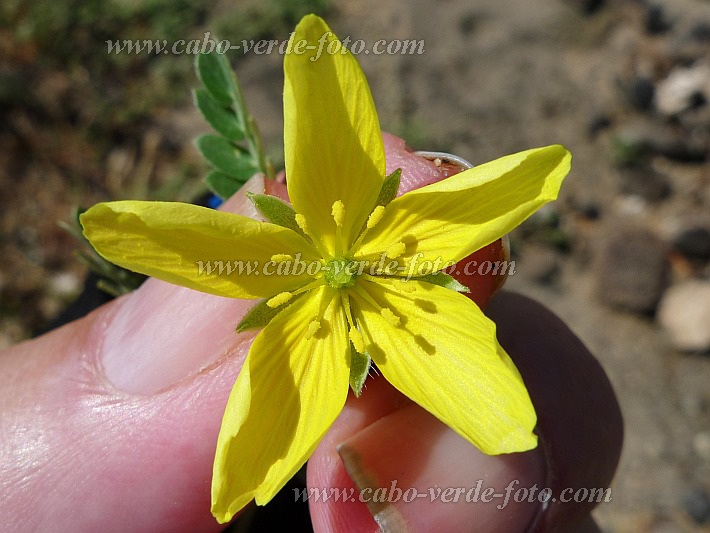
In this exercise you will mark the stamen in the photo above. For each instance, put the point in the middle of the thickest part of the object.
(280, 258)
(313, 328)
(357, 340)
(375, 216)
(338, 213)
(396, 250)
(279, 299)
(390, 317)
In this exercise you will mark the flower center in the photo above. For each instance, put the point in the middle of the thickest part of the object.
(341, 273)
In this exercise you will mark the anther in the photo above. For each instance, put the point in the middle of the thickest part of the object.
(375, 216)
(280, 258)
(279, 299)
(396, 250)
(338, 212)
(357, 340)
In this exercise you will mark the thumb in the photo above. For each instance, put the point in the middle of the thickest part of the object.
(109, 422)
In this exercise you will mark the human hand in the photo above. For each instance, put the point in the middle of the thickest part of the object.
(110, 423)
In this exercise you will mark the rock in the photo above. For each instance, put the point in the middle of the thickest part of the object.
(684, 312)
(597, 122)
(640, 93)
(656, 21)
(64, 284)
(682, 88)
(645, 182)
(697, 504)
(694, 244)
(632, 272)
(588, 7)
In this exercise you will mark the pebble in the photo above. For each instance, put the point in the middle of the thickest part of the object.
(684, 312)
(64, 284)
(682, 88)
(645, 182)
(697, 504)
(694, 243)
(656, 21)
(633, 271)
(641, 93)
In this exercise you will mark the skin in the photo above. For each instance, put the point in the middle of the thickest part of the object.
(109, 423)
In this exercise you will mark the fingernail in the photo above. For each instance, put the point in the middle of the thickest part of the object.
(161, 333)
(416, 474)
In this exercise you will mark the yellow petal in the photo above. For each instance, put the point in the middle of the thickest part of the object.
(332, 139)
(444, 355)
(449, 220)
(203, 249)
(292, 387)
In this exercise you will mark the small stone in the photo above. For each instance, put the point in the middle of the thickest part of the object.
(64, 284)
(694, 244)
(588, 7)
(645, 182)
(683, 88)
(697, 504)
(684, 312)
(656, 21)
(597, 122)
(640, 93)
(632, 273)
(669, 142)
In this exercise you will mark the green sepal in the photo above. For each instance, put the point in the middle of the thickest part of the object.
(226, 157)
(359, 370)
(216, 75)
(223, 185)
(221, 118)
(389, 189)
(276, 211)
(259, 316)
(444, 280)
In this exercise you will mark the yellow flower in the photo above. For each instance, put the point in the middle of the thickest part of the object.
(429, 341)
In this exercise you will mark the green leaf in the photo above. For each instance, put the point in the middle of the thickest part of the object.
(389, 189)
(222, 119)
(216, 75)
(275, 211)
(359, 370)
(226, 157)
(223, 185)
(260, 315)
(444, 280)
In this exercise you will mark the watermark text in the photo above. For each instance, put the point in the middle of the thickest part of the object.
(325, 45)
(476, 493)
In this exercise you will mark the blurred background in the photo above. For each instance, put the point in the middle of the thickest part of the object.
(623, 256)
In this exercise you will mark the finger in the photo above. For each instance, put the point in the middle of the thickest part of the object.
(111, 421)
(579, 418)
(407, 449)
